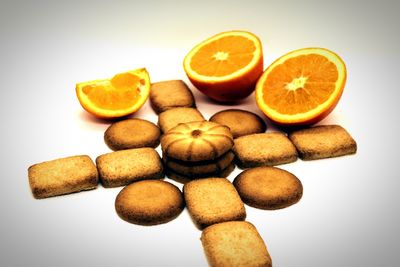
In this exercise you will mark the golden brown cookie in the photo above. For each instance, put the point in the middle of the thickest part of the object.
(268, 188)
(149, 202)
(230, 244)
(187, 178)
(126, 166)
(265, 149)
(170, 94)
(62, 176)
(325, 141)
(132, 133)
(199, 168)
(197, 141)
(241, 122)
(172, 117)
(213, 200)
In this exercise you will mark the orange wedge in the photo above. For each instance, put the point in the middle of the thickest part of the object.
(302, 87)
(226, 66)
(119, 96)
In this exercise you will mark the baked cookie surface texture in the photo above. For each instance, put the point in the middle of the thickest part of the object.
(172, 117)
(197, 141)
(149, 202)
(170, 94)
(234, 244)
(268, 188)
(324, 141)
(240, 122)
(132, 133)
(213, 200)
(125, 166)
(265, 149)
(62, 176)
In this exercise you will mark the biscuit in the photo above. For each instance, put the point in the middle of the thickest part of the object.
(149, 202)
(125, 166)
(325, 141)
(241, 122)
(265, 149)
(187, 178)
(62, 176)
(268, 188)
(234, 244)
(197, 141)
(132, 133)
(213, 200)
(170, 94)
(198, 168)
(172, 117)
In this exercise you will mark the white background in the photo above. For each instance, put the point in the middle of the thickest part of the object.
(349, 213)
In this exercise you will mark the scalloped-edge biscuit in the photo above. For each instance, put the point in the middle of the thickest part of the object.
(235, 243)
(149, 202)
(62, 176)
(241, 122)
(268, 188)
(213, 200)
(265, 149)
(172, 117)
(197, 141)
(324, 141)
(126, 166)
(166, 95)
(199, 168)
(187, 178)
(132, 133)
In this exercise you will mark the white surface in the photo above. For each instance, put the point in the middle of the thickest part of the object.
(348, 215)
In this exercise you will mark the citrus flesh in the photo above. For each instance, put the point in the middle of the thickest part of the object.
(302, 87)
(226, 66)
(119, 96)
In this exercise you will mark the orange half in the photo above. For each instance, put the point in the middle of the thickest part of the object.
(301, 87)
(226, 66)
(119, 96)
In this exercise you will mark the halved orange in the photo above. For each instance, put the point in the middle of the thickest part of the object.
(119, 96)
(301, 87)
(226, 66)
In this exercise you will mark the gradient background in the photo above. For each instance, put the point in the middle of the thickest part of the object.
(349, 215)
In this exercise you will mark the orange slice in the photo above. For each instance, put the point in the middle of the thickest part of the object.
(226, 66)
(302, 87)
(119, 96)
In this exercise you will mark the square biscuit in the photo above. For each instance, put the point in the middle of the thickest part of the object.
(234, 244)
(172, 117)
(62, 176)
(170, 94)
(123, 167)
(213, 200)
(264, 149)
(325, 141)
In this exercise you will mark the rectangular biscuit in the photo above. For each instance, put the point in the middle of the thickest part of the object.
(62, 176)
(324, 141)
(170, 94)
(123, 167)
(234, 244)
(264, 149)
(172, 117)
(213, 200)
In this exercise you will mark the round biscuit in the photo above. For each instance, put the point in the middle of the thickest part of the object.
(184, 178)
(241, 122)
(149, 202)
(268, 188)
(199, 168)
(132, 133)
(197, 141)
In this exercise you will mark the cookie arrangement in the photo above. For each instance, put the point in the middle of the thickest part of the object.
(201, 154)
